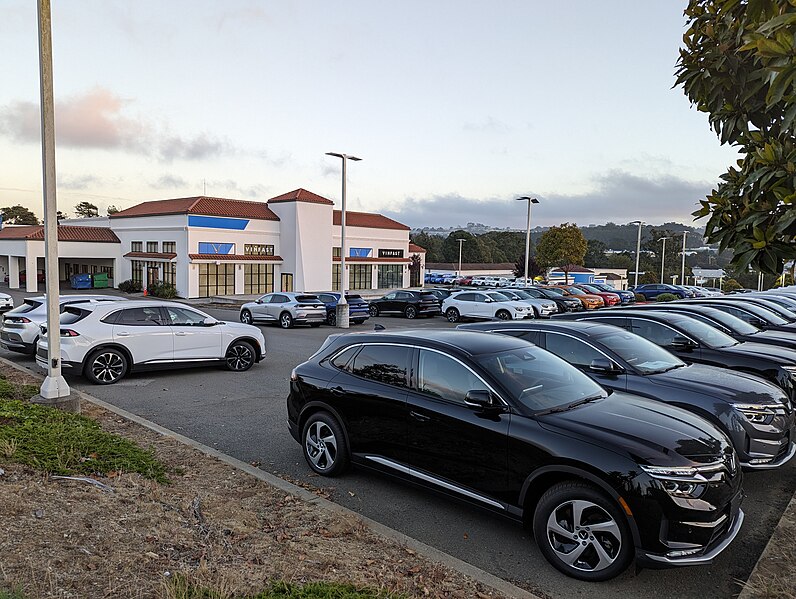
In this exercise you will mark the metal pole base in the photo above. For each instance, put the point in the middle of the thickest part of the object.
(341, 313)
(55, 392)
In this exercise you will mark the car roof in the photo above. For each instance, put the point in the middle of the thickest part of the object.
(109, 306)
(588, 329)
(626, 313)
(78, 296)
(468, 342)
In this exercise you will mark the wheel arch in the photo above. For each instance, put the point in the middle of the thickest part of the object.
(117, 346)
(313, 408)
(252, 341)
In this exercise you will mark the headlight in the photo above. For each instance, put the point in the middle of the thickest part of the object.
(519, 308)
(684, 481)
(756, 413)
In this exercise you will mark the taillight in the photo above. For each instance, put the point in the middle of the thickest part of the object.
(21, 319)
(69, 333)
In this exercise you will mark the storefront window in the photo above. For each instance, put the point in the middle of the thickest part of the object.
(258, 278)
(169, 272)
(335, 277)
(138, 271)
(152, 247)
(360, 276)
(391, 275)
(216, 279)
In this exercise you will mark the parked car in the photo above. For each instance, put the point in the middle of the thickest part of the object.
(610, 298)
(564, 303)
(652, 290)
(604, 477)
(358, 309)
(104, 341)
(542, 308)
(625, 297)
(696, 342)
(286, 308)
(783, 300)
(687, 290)
(753, 412)
(440, 293)
(754, 313)
(23, 277)
(589, 300)
(406, 302)
(6, 303)
(20, 331)
(484, 304)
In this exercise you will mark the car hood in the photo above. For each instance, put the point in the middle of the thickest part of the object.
(648, 430)
(775, 335)
(783, 355)
(239, 327)
(721, 383)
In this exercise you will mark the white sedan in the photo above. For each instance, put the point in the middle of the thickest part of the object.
(106, 341)
(484, 304)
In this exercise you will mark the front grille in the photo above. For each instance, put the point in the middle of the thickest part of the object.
(783, 448)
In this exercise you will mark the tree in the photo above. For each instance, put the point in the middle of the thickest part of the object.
(731, 285)
(562, 247)
(737, 65)
(86, 210)
(534, 270)
(595, 253)
(112, 209)
(59, 216)
(18, 215)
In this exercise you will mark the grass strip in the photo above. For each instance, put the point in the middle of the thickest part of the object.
(180, 588)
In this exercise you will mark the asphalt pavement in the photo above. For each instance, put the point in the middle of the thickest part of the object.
(244, 415)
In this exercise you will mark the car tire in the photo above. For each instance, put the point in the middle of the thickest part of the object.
(536, 313)
(106, 366)
(32, 352)
(410, 312)
(452, 314)
(324, 444)
(595, 555)
(503, 315)
(246, 317)
(331, 318)
(285, 320)
(374, 310)
(240, 356)
(358, 321)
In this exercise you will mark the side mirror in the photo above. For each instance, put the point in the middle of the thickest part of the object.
(478, 398)
(759, 323)
(209, 322)
(258, 301)
(682, 343)
(603, 366)
(488, 300)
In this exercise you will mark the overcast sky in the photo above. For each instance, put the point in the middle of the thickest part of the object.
(456, 107)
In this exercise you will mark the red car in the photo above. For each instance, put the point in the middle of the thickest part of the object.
(23, 277)
(610, 299)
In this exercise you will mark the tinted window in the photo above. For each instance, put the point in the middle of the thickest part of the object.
(706, 334)
(572, 350)
(731, 321)
(390, 296)
(73, 315)
(656, 332)
(499, 297)
(615, 320)
(529, 336)
(307, 299)
(279, 299)
(645, 356)
(465, 297)
(28, 306)
(444, 377)
(403, 295)
(111, 318)
(343, 360)
(327, 299)
(182, 317)
(144, 317)
(383, 363)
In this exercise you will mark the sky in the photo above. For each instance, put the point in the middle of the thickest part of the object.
(456, 107)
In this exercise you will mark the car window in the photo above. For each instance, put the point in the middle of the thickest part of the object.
(383, 363)
(656, 332)
(143, 317)
(572, 350)
(444, 377)
(498, 297)
(464, 297)
(279, 299)
(266, 299)
(403, 295)
(343, 360)
(479, 297)
(391, 296)
(182, 317)
(643, 355)
(530, 336)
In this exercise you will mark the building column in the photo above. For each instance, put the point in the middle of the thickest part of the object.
(31, 262)
(13, 272)
(115, 266)
(240, 280)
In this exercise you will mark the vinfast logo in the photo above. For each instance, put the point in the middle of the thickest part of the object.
(360, 252)
(216, 248)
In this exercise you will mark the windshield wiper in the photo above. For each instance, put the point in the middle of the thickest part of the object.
(669, 368)
(574, 404)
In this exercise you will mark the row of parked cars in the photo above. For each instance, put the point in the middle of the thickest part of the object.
(617, 435)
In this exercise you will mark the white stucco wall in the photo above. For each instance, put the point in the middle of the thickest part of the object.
(306, 244)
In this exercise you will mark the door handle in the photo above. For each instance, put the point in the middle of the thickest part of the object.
(338, 391)
(180, 333)
(420, 417)
(123, 334)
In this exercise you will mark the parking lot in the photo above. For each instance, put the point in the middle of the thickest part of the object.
(243, 414)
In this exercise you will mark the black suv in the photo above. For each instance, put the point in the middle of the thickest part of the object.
(407, 302)
(603, 477)
(755, 414)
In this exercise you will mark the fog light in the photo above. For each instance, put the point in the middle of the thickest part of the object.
(683, 552)
(761, 460)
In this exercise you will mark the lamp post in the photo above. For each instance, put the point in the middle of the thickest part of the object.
(461, 240)
(638, 249)
(527, 234)
(663, 255)
(682, 271)
(341, 312)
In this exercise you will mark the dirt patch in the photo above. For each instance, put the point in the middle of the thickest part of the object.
(215, 524)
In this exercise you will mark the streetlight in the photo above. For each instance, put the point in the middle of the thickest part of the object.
(663, 254)
(341, 312)
(461, 240)
(527, 235)
(638, 248)
(682, 272)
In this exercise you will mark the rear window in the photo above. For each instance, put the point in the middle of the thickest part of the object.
(307, 298)
(72, 315)
(28, 306)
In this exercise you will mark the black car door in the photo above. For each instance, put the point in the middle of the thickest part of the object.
(664, 335)
(370, 392)
(453, 445)
(388, 303)
(581, 354)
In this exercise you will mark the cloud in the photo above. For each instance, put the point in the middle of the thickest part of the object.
(197, 148)
(169, 182)
(77, 182)
(617, 196)
(490, 124)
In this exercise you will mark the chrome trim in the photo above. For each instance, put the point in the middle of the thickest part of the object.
(707, 557)
(786, 458)
(434, 480)
(713, 524)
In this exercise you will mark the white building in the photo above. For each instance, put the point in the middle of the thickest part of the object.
(213, 246)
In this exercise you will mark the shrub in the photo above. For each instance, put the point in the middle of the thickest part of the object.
(161, 289)
(130, 286)
(666, 297)
(732, 285)
(640, 297)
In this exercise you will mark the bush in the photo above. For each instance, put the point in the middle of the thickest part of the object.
(161, 289)
(666, 297)
(732, 285)
(640, 297)
(130, 286)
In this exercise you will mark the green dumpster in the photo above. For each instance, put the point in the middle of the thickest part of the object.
(100, 280)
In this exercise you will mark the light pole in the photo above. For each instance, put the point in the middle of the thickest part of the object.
(341, 312)
(461, 240)
(527, 234)
(638, 249)
(663, 255)
(682, 272)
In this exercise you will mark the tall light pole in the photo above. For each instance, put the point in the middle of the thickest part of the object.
(663, 255)
(341, 312)
(461, 240)
(527, 234)
(682, 271)
(638, 249)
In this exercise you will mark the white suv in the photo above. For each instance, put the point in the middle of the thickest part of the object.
(105, 341)
(20, 330)
(484, 304)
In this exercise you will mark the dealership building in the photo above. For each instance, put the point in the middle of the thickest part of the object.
(209, 246)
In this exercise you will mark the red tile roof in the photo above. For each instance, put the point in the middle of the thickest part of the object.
(301, 195)
(201, 205)
(416, 249)
(65, 233)
(367, 219)
(235, 257)
(165, 256)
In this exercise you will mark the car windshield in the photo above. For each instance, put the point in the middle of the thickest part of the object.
(764, 313)
(499, 297)
(28, 306)
(554, 290)
(732, 322)
(704, 333)
(523, 294)
(592, 289)
(641, 354)
(540, 380)
(575, 291)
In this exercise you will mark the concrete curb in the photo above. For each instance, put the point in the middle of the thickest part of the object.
(490, 580)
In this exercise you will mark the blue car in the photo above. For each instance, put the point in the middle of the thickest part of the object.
(651, 291)
(357, 307)
(627, 297)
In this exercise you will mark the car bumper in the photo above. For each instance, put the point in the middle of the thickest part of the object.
(783, 457)
(310, 318)
(14, 342)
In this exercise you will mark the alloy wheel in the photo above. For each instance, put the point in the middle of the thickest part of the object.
(584, 536)
(321, 445)
(240, 357)
(246, 317)
(107, 367)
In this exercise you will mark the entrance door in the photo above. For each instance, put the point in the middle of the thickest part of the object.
(287, 281)
(152, 275)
